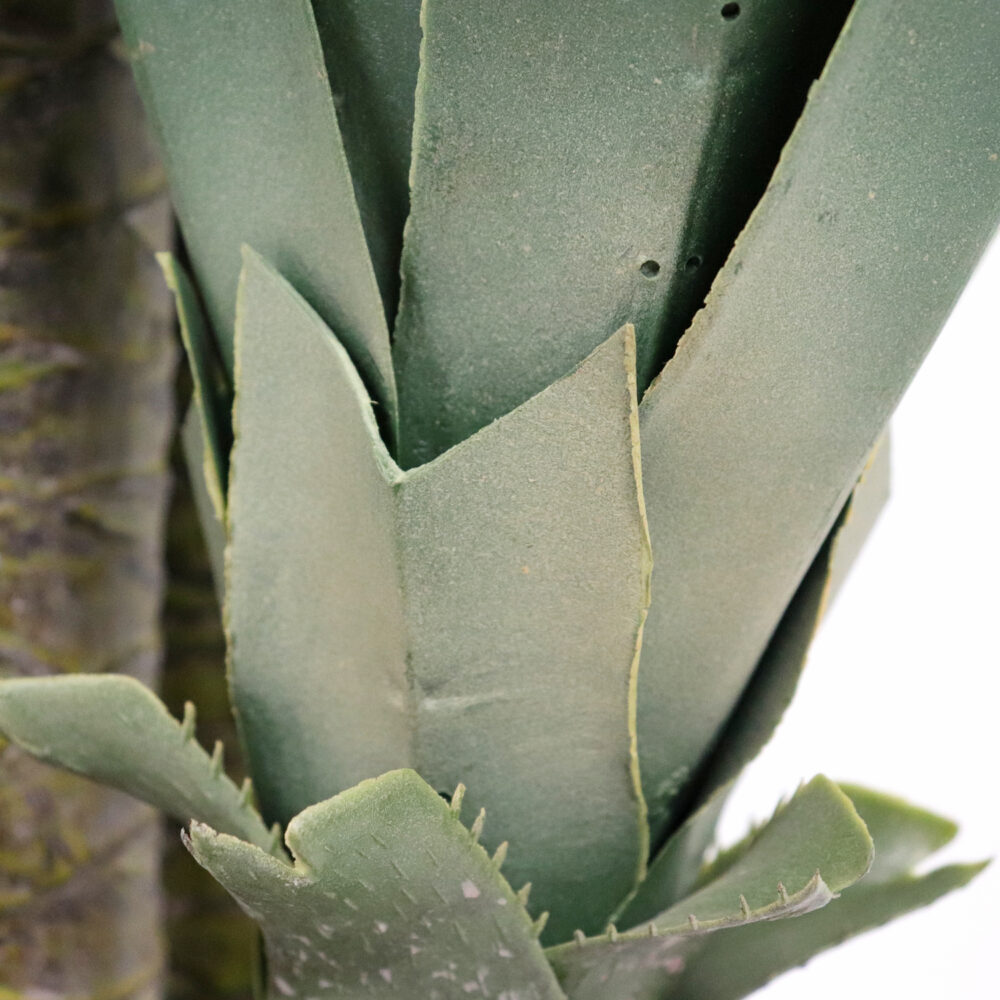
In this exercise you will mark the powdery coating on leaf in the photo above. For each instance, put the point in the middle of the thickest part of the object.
(426, 634)
(115, 730)
(733, 964)
(573, 166)
(818, 830)
(813, 329)
(240, 99)
(378, 901)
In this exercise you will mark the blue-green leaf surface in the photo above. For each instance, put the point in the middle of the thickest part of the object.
(390, 896)
(735, 963)
(863, 511)
(199, 466)
(477, 618)
(759, 426)
(115, 730)
(577, 167)
(677, 865)
(239, 96)
(815, 846)
(212, 398)
(372, 50)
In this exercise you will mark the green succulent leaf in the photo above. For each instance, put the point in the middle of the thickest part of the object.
(115, 730)
(390, 896)
(372, 50)
(868, 499)
(815, 846)
(213, 395)
(577, 167)
(213, 527)
(677, 865)
(736, 962)
(772, 686)
(477, 618)
(207, 427)
(742, 495)
(239, 95)
(904, 834)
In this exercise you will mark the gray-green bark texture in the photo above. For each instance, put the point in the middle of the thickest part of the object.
(86, 365)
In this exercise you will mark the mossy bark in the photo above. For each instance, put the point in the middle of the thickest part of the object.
(86, 412)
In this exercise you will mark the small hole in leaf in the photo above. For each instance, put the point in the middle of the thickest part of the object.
(649, 268)
(730, 11)
(446, 796)
(692, 263)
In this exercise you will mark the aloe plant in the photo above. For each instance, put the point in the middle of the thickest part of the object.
(529, 532)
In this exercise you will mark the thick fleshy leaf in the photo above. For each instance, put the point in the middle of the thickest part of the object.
(676, 866)
(213, 527)
(737, 962)
(372, 50)
(815, 846)
(904, 834)
(829, 301)
(390, 896)
(477, 618)
(577, 167)
(115, 730)
(239, 95)
(213, 395)
(863, 511)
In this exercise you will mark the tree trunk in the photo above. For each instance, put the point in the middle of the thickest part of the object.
(86, 363)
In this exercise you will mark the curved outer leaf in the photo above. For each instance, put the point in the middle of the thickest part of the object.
(477, 618)
(868, 499)
(677, 865)
(372, 50)
(206, 431)
(199, 465)
(882, 201)
(212, 396)
(389, 897)
(816, 845)
(577, 167)
(737, 962)
(238, 92)
(115, 730)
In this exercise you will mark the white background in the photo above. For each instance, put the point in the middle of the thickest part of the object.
(902, 688)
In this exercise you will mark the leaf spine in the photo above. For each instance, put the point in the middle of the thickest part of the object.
(612, 933)
(187, 725)
(579, 937)
(216, 764)
(782, 892)
(246, 793)
(500, 855)
(275, 837)
(523, 893)
(477, 826)
(693, 922)
(456, 799)
(744, 907)
(539, 925)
